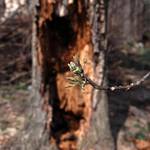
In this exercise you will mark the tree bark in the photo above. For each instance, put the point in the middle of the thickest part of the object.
(67, 118)
(125, 22)
(2, 8)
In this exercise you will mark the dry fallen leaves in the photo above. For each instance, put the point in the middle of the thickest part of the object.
(142, 144)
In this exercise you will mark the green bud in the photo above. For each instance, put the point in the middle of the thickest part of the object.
(74, 68)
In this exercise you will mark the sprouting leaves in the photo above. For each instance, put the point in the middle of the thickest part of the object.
(77, 79)
(75, 68)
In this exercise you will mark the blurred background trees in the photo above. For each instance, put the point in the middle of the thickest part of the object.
(127, 59)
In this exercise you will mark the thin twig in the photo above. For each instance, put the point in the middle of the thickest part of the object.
(120, 87)
(77, 69)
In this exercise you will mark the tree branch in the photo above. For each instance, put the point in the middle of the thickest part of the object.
(81, 79)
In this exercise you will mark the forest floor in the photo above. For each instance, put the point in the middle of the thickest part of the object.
(129, 111)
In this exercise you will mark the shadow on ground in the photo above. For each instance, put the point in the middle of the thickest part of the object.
(134, 103)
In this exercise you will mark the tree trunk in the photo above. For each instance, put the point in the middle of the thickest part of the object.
(146, 27)
(2, 8)
(125, 22)
(67, 118)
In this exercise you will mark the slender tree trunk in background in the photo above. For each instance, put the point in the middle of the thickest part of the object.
(125, 22)
(2, 8)
(67, 118)
(146, 21)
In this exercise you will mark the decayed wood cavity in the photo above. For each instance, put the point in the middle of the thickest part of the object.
(60, 38)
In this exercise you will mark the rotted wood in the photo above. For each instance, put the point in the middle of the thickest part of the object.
(61, 37)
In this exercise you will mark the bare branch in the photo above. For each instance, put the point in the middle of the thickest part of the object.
(77, 69)
(120, 87)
